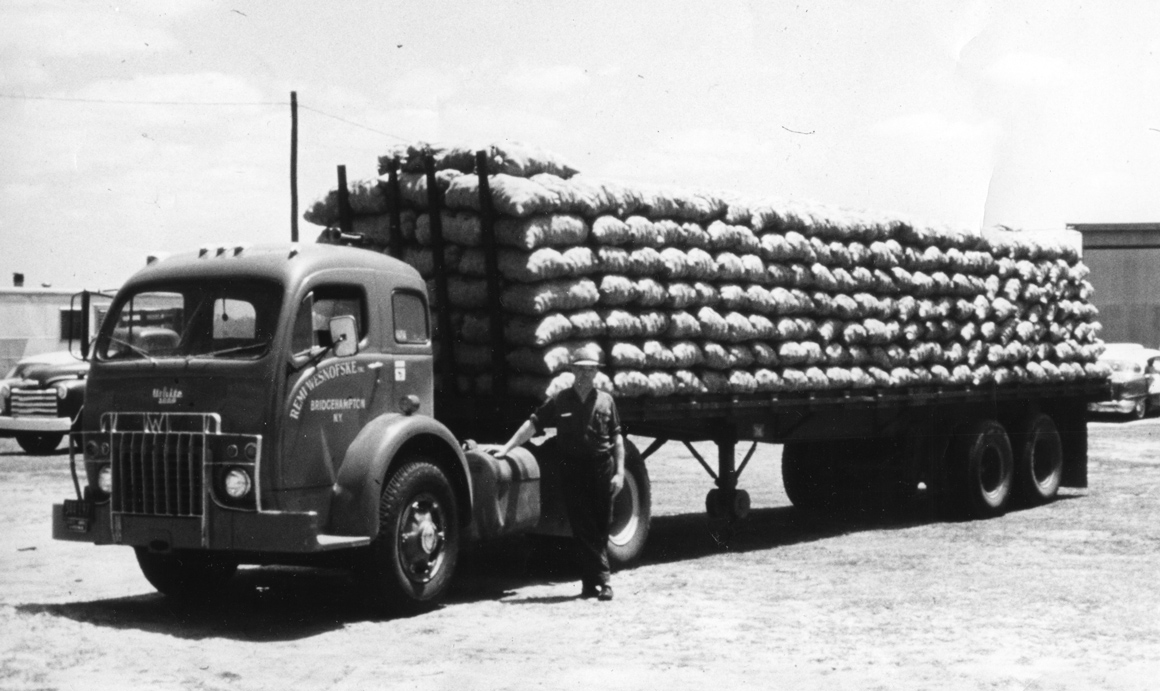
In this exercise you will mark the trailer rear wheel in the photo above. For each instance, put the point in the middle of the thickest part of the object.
(631, 511)
(981, 469)
(413, 557)
(806, 474)
(1038, 460)
(186, 575)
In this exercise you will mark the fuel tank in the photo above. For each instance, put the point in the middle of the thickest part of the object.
(507, 491)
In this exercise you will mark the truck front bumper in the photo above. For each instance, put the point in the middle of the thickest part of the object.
(266, 532)
(43, 425)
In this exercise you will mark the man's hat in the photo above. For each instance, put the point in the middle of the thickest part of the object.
(586, 356)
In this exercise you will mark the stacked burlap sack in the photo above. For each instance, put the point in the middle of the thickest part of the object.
(689, 293)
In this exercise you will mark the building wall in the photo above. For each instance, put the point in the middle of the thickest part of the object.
(1124, 259)
(1127, 283)
(30, 322)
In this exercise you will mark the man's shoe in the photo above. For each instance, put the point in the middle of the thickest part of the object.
(605, 593)
(589, 591)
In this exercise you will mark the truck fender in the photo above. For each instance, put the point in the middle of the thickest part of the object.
(382, 444)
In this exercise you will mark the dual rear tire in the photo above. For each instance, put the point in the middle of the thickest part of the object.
(984, 471)
(990, 471)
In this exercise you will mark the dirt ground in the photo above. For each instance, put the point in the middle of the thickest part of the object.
(1064, 596)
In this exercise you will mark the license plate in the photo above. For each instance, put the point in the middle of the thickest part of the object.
(78, 515)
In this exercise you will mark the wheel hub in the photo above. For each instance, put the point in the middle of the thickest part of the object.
(421, 539)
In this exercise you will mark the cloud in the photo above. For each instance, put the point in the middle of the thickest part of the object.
(556, 79)
(81, 29)
(424, 88)
(715, 142)
(1028, 70)
(931, 126)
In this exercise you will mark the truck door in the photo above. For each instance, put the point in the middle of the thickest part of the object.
(410, 338)
(330, 399)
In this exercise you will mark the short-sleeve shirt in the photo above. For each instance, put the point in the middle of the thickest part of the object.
(585, 428)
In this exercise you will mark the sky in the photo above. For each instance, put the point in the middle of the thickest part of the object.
(142, 126)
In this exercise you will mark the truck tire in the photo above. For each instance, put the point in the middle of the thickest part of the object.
(413, 557)
(830, 477)
(1038, 460)
(39, 444)
(980, 470)
(186, 575)
(806, 476)
(631, 511)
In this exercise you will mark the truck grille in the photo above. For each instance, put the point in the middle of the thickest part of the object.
(33, 403)
(158, 473)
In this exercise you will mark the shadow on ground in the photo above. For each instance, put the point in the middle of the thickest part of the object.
(278, 603)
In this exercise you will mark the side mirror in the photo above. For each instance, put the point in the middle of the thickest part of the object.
(344, 335)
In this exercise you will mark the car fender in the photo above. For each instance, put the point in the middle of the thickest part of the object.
(383, 443)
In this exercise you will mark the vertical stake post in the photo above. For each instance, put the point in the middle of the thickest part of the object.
(394, 200)
(345, 219)
(293, 166)
(491, 265)
(435, 216)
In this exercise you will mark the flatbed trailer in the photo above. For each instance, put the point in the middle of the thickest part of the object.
(904, 435)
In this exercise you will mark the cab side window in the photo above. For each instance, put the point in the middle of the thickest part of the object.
(410, 318)
(318, 307)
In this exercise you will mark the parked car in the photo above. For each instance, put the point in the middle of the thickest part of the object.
(40, 398)
(1135, 380)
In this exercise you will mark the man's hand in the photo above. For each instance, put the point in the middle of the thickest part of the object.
(617, 483)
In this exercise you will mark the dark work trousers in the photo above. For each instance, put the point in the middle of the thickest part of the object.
(587, 488)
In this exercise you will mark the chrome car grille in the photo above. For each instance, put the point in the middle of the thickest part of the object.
(158, 473)
(33, 403)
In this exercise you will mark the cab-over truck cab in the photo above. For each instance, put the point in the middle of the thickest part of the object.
(268, 404)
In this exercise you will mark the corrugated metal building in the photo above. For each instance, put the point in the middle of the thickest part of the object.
(1125, 262)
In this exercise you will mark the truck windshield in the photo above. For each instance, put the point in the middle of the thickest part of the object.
(234, 319)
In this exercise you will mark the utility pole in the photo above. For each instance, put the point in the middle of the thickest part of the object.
(293, 166)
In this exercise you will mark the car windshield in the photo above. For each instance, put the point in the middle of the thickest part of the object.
(218, 319)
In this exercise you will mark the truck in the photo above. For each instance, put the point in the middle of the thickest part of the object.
(294, 404)
(40, 399)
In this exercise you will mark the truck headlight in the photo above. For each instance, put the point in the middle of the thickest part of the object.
(105, 479)
(237, 483)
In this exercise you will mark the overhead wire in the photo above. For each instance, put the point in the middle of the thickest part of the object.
(64, 99)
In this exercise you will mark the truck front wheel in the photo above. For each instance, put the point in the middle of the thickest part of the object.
(186, 575)
(413, 557)
(631, 511)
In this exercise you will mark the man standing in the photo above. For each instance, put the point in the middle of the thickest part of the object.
(591, 464)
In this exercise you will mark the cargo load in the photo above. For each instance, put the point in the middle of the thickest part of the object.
(689, 292)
